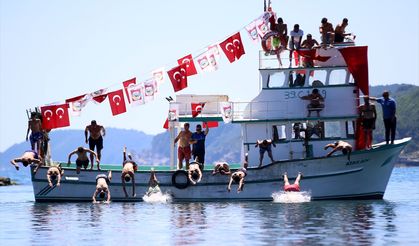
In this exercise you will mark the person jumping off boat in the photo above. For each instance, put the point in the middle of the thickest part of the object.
(239, 175)
(153, 184)
(97, 132)
(265, 145)
(35, 127)
(194, 173)
(102, 187)
(222, 168)
(292, 187)
(184, 149)
(82, 159)
(54, 173)
(28, 157)
(345, 147)
(127, 175)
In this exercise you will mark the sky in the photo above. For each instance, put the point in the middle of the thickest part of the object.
(54, 50)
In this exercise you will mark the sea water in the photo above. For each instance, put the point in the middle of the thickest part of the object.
(291, 197)
(391, 221)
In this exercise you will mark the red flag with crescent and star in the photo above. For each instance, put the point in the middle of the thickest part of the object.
(190, 66)
(117, 102)
(178, 77)
(55, 116)
(127, 84)
(196, 108)
(233, 47)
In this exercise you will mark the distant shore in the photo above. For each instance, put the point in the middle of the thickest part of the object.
(4, 181)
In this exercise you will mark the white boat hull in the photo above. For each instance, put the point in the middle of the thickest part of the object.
(365, 176)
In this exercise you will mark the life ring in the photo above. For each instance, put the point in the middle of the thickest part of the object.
(269, 37)
(180, 185)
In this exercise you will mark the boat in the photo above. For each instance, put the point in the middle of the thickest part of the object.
(276, 113)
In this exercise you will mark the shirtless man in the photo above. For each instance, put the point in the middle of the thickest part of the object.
(96, 132)
(55, 173)
(292, 187)
(340, 31)
(238, 177)
(153, 184)
(128, 169)
(265, 145)
(82, 159)
(29, 157)
(184, 149)
(345, 147)
(282, 30)
(316, 102)
(194, 173)
(35, 126)
(368, 115)
(102, 187)
(222, 168)
(310, 42)
(327, 32)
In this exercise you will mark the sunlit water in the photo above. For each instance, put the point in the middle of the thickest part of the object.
(157, 197)
(392, 221)
(291, 197)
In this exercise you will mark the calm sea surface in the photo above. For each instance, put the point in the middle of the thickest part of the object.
(394, 220)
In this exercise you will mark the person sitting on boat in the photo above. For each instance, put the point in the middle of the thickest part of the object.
(309, 43)
(368, 116)
(265, 146)
(153, 184)
(28, 157)
(292, 187)
(194, 173)
(222, 168)
(316, 102)
(128, 169)
(54, 173)
(238, 177)
(282, 30)
(340, 31)
(184, 149)
(345, 147)
(82, 159)
(35, 127)
(102, 187)
(327, 32)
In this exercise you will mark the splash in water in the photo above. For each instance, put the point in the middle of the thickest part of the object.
(291, 197)
(157, 197)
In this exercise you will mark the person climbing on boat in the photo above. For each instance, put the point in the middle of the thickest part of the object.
(28, 157)
(368, 116)
(239, 175)
(388, 105)
(102, 187)
(222, 168)
(316, 102)
(345, 147)
(97, 132)
(194, 173)
(184, 149)
(153, 184)
(35, 127)
(292, 187)
(295, 41)
(82, 160)
(265, 146)
(198, 144)
(127, 175)
(327, 32)
(55, 173)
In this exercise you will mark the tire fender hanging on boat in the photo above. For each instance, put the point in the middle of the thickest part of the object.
(180, 185)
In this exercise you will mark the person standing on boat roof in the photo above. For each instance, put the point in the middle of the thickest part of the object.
(368, 116)
(128, 169)
(82, 159)
(340, 31)
(239, 175)
(54, 173)
(316, 102)
(327, 32)
(198, 144)
(35, 127)
(29, 157)
(194, 173)
(345, 147)
(184, 149)
(292, 187)
(102, 187)
(95, 140)
(265, 146)
(388, 105)
(295, 41)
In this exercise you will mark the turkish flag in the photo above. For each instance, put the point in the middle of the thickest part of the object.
(55, 116)
(210, 124)
(190, 66)
(196, 108)
(73, 99)
(117, 102)
(178, 77)
(356, 59)
(233, 47)
(126, 85)
(99, 96)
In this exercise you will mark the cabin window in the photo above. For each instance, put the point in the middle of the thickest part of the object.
(296, 78)
(317, 78)
(332, 129)
(338, 77)
(350, 129)
(298, 130)
(278, 133)
(276, 80)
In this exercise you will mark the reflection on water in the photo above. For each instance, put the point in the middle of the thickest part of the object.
(188, 220)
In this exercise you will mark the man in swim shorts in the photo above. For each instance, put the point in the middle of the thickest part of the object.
(239, 175)
(265, 146)
(184, 149)
(222, 168)
(292, 187)
(102, 187)
(55, 173)
(153, 184)
(82, 160)
(128, 168)
(29, 157)
(345, 147)
(35, 126)
(95, 140)
(194, 173)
